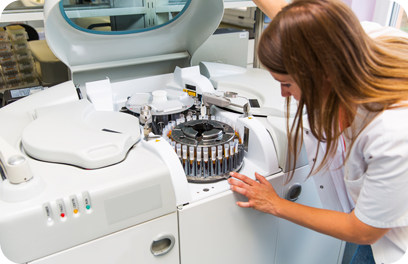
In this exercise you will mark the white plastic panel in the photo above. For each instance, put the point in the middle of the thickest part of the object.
(27, 233)
(216, 230)
(125, 247)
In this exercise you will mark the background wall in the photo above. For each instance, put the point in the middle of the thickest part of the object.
(364, 9)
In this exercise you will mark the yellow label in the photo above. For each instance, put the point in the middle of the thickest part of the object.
(191, 93)
(157, 140)
(249, 117)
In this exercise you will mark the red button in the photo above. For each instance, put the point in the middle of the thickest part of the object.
(62, 215)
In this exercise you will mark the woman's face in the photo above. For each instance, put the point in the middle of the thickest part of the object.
(288, 86)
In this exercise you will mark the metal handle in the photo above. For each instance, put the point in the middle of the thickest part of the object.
(162, 245)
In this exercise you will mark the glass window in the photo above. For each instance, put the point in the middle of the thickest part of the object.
(122, 15)
(399, 17)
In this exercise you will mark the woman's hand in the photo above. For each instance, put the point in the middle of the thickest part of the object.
(262, 196)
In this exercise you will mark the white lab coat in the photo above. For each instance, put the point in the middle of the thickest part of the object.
(375, 177)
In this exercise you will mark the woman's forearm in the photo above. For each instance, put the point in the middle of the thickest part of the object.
(270, 7)
(340, 225)
(263, 197)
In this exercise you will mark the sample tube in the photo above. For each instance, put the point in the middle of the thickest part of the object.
(232, 157)
(173, 145)
(236, 161)
(178, 147)
(205, 117)
(189, 118)
(226, 158)
(218, 118)
(192, 162)
(212, 117)
(194, 117)
(220, 168)
(200, 117)
(178, 121)
(199, 168)
(206, 163)
(185, 161)
(241, 153)
(165, 133)
(213, 161)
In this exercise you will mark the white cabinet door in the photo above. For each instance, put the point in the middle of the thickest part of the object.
(216, 230)
(132, 245)
(297, 244)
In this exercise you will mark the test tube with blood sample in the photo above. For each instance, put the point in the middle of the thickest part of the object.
(199, 167)
(236, 161)
(226, 158)
(220, 167)
(206, 164)
(232, 157)
(192, 161)
(213, 161)
(185, 161)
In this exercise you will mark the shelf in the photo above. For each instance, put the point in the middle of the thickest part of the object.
(22, 16)
(100, 12)
(235, 4)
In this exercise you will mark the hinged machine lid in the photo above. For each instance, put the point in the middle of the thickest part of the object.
(127, 54)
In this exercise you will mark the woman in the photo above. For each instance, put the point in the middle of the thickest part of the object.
(355, 90)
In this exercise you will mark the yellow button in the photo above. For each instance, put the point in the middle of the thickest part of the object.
(249, 117)
(157, 140)
(75, 211)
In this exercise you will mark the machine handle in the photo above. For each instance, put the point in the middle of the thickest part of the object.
(293, 192)
(162, 245)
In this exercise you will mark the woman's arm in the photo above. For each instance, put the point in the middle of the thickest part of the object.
(343, 226)
(270, 7)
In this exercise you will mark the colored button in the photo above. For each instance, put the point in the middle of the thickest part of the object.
(74, 204)
(61, 208)
(48, 212)
(87, 200)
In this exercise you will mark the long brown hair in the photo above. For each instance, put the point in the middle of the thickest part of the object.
(322, 41)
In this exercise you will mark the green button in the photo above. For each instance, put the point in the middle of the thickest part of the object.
(88, 207)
